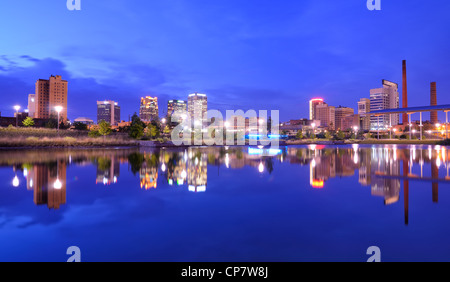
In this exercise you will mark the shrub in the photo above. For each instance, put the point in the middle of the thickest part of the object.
(94, 134)
(70, 139)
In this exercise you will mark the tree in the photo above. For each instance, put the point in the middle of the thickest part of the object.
(80, 126)
(154, 129)
(299, 134)
(167, 130)
(51, 123)
(28, 122)
(137, 127)
(104, 128)
(327, 135)
(340, 135)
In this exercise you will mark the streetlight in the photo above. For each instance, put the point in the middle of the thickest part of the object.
(313, 125)
(17, 108)
(58, 109)
(356, 131)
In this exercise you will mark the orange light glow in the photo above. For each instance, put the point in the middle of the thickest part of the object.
(317, 184)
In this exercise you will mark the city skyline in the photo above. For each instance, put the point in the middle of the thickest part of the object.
(294, 67)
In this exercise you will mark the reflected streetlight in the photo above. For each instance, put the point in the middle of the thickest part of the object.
(57, 185)
(261, 167)
(15, 181)
(58, 109)
(17, 108)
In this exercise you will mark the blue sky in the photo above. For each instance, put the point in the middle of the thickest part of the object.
(252, 54)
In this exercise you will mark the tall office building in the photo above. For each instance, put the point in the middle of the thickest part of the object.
(312, 107)
(49, 94)
(197, 107)
(340, 114)
(176, 109)
(108, 111)
(382, 99)
(326, 115)
(31, 105)
(363, 108)
(148, 110)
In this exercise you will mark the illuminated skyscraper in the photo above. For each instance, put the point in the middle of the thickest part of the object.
(312, 107)
(382, 99)
(148, 110)
(108, 111)
(49, 94)
(197, 107)
(176, 109)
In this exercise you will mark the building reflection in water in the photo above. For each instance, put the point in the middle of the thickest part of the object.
(108, 170)
(382, 168)
(48, 182)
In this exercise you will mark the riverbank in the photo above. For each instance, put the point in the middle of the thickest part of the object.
(366, 141)
(64, 142)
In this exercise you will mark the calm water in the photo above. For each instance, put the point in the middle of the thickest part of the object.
(226, 204)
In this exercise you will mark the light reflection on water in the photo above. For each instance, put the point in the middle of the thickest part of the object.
(390, 172)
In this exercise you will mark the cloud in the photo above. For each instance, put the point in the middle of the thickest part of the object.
(122, 83)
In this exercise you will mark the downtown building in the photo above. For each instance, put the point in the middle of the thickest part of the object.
(384, 98)
(326, 115)
(108, 111)
(31, 105)
(176, 110)
(312, 107)
(148, 111)
(364, 108)
(49, 94)
(340, 114)
(197, 107)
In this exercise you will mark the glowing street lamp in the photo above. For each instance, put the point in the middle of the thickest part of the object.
(313, 125)
(163, 120)
(17, 108)
(58, 109)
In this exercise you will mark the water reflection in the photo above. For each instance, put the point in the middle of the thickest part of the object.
(382, 168)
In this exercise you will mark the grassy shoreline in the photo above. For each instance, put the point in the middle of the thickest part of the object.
(30, 138)
(64, 142)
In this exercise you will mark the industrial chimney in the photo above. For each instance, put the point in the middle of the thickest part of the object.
(404, 94)
(433, 102)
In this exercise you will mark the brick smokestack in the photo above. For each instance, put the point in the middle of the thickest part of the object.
(433, 102)
(404, 94)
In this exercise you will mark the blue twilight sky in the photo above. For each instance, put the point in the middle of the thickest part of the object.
(252, 54)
